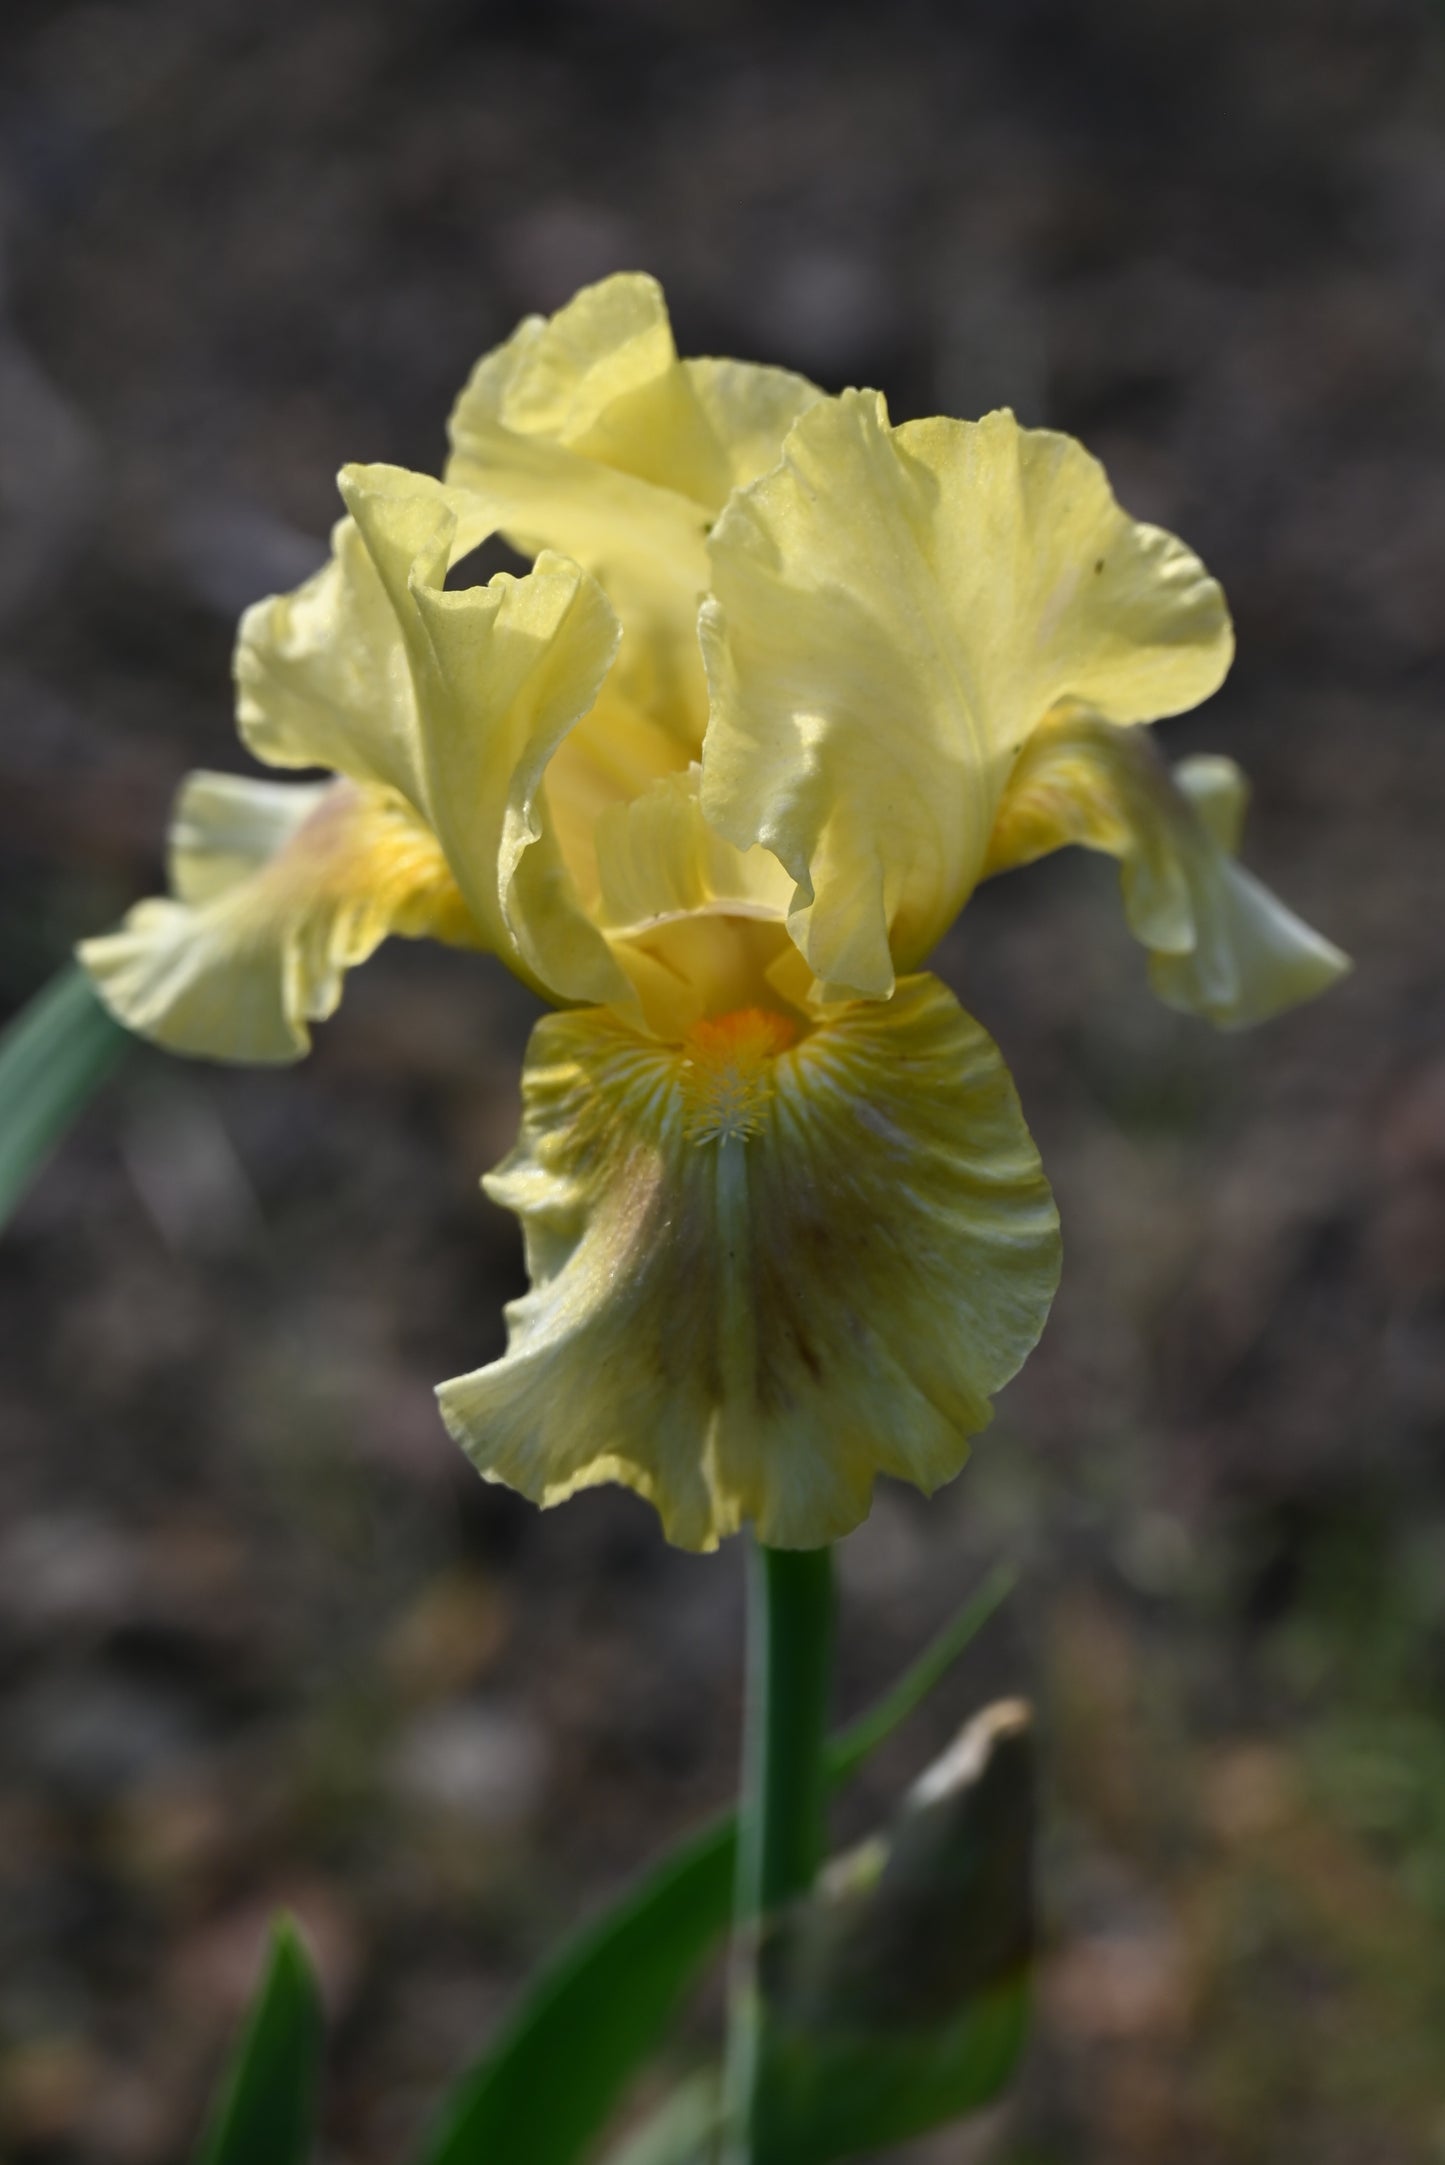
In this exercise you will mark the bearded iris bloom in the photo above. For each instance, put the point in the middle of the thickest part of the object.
(784, 684)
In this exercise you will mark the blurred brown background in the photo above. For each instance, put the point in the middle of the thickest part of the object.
(263, 1636)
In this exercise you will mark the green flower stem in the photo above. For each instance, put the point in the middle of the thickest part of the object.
(789, 1683)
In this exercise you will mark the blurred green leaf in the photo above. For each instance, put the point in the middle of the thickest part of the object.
(53, 1057)
(562, 2062)
(556, 2073)
(265, 2111)
(896, 1994)
(862, 1737)
(683, 2131)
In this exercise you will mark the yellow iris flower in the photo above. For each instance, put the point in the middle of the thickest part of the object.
(784, 684)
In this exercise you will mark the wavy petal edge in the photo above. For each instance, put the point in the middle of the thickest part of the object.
(749, 1319)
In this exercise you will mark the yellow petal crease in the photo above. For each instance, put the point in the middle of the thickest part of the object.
(698, 926)
(280, 888)
(614, 754)
(455, 700)
(658, 858)
(1221, 945)
(500, 675)
(893, 611)
(586, 433)
(766, 1267)
(322, 677)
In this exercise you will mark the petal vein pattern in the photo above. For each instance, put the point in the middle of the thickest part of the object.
(892, 612)
(763, 1272)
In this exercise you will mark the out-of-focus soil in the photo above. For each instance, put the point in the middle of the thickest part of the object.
(264, 1638)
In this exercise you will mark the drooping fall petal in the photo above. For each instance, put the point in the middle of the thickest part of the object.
(1221, 945)
(893, 612)
(280, 889)
(764, 1269)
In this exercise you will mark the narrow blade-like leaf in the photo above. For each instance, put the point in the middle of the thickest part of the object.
(53, 1057)
(265, 2111)
(551, 2081)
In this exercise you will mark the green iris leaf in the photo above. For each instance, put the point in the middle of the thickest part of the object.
(265, 2110)
(53, 1058)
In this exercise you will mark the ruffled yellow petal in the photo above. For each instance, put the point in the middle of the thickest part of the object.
(602, 380)
(586, 433)
(322, 678)
(1222, 945)
(455, 700)
(763, 1270)
(748, 410)
(280, 888)
(894, 611)
(500, 674)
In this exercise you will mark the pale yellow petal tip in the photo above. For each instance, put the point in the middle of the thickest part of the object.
(158, 976)
(198, 973)
(466, 1414)
(281, 888)
(1255, 958)
(1221, 945)
(764, 1271)
(697, 1523)
(553, 373)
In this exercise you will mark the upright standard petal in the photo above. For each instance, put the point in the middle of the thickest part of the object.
(322, 678)
(586, 433)
(456, 701)
(500, 674)
(893, 612)
(602, 380)
(280, 888)
(765, 1268)
(1221, 945)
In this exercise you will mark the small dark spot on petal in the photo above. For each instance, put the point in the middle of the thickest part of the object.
(807, 1354)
